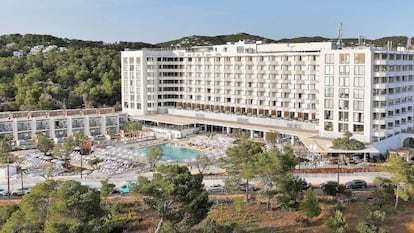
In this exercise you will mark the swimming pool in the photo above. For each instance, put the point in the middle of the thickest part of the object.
(171, 152)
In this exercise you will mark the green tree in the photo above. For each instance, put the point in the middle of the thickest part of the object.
(275, 169)
(243, 158)
(106, 188)
(154, 155)
(33, 212)
(133, 126)
(346, 143)
(372, 222)
(75, 208)
(272, 137)
(202, 162)
(337, 222)
(402, 177)
(44, 144)
(310, 204)
(176, 195)
(383, 191)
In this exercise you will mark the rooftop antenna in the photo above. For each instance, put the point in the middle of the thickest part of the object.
(339, 43)
(361, 40)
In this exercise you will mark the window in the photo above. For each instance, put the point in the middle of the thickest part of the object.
(329, 80)
(358, 128)
(329, 92)
(359, 117)
(343, 116)
(358, 93)
(329, 58)
(344, 93)
(329, 103)
(328, 115)
(359, 70)
(358, 105)
(343, 81)
(344, 58)
(342, 127)
(344, 69)
(359, 82)
(359, 58)
(329, 69)
(343, 104)
(328, 126)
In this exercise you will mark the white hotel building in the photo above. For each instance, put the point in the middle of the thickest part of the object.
(314, 91)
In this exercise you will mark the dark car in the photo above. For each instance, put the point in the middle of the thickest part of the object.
(356, 184)
(328, 183)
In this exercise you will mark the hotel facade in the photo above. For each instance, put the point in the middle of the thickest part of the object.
(314, 88)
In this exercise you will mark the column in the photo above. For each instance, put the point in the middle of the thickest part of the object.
(251, 134)
(293, 140)
(228, 130)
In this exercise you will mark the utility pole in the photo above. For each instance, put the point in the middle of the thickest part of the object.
(8, 176)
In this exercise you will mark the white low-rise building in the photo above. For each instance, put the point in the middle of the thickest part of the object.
(59, 124)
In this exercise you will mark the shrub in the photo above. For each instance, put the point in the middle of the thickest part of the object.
(310, 204)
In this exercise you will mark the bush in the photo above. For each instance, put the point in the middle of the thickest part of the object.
(310, 204)
(337, 222)
(302, 221)
(6, 212)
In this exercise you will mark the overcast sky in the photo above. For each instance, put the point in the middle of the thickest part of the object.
(156, 21)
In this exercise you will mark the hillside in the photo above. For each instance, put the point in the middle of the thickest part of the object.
(196, 40)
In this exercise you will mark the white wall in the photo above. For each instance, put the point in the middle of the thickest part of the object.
(244, 119)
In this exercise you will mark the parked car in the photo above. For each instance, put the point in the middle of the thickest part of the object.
(355, 184)
(20, 191)
(251, 187)
(215, 188)
(328, 183)
(3, 192)
(126, 187)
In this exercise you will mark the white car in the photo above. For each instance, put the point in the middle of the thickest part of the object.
(215, 188)
(20, 191)
(3, 192)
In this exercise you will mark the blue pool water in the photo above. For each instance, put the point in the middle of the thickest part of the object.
(171, 152)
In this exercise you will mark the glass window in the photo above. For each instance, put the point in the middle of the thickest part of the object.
(329, 80)
(343, 81)
(359, 117)
(344, 58)
(328, 115)
(343, 104)
(343, 116)
(358, 93)
(359, 129)
(359, 82)
(344, 69)
(344, 93)
(342, 127)
(329, 92)
(359, 58)
(329, 58)
(359, 70)
(358, 105)
(329, 103)
(328, 126)
(329, 69)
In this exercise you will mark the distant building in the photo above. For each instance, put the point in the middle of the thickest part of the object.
(315, 87)
(58, 124)
(18, 54)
